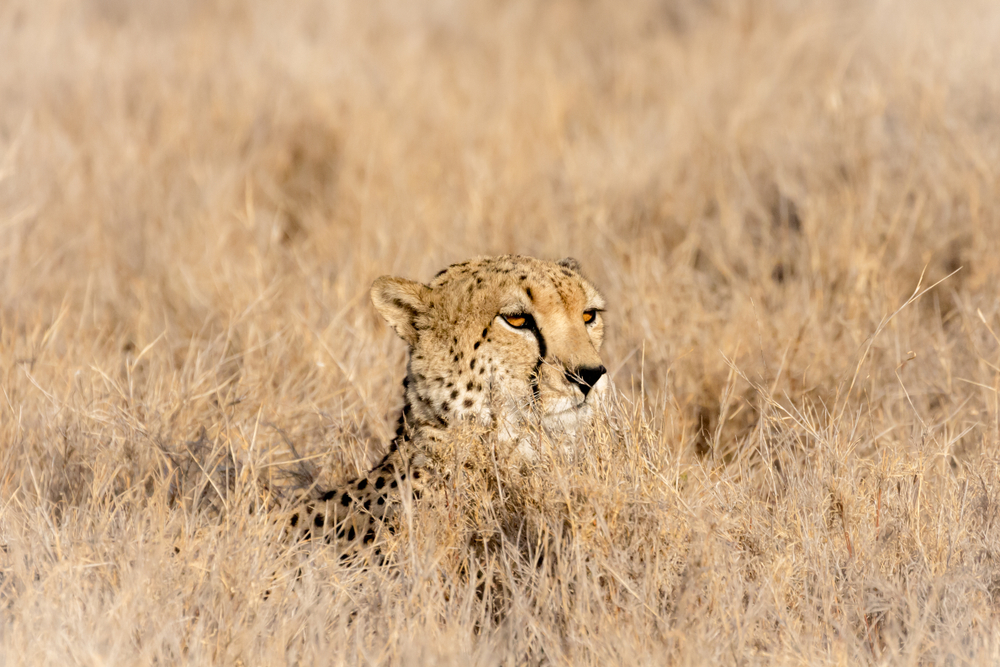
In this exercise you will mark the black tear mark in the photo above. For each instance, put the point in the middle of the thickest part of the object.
(532, 326)
(527, 291)
(533, 380)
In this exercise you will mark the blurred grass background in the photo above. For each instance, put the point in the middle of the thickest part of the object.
(196, 196)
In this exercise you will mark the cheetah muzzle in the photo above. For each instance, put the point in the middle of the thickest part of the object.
(506, 344)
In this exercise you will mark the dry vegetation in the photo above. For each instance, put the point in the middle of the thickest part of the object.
(801, 462)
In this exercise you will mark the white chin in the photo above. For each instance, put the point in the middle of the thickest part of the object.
(568, 421)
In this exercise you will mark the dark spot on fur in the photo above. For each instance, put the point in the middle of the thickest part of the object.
(476, 346)
(456, 358)
(369, 537)
(345, 500)
(380, 482)
(454, 393)
(416, 474)
(468, 402)
(295, 520)
(329, 495)
(472, 364)
(567, 273)
(362, 484)
(343, 557)
(445, 406)
(340, 534)
(368, 504)
(351, 534)
(486, 331)
(318, 521)
(469, 386)
(381, 500)
(524, 276)
(394, 484)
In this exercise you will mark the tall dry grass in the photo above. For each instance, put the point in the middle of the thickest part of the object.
(799, 466)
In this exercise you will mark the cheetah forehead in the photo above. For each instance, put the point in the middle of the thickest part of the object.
(511, 283)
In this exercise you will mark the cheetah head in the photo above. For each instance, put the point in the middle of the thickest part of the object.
(502, 341)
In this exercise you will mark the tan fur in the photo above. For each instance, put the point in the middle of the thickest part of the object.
(468, 365)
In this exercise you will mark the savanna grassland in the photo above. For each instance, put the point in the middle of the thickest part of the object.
(792, 208)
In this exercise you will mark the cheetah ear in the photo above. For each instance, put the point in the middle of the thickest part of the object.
(570, 263)
(400, 302)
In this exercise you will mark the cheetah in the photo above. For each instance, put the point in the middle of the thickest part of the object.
(499, 342)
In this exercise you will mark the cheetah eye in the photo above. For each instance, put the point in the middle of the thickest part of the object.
(518, 321)
(589, 315)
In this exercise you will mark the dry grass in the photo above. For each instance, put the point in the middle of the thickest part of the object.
(800, 467)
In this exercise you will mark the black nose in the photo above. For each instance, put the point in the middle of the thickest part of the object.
(586, 377)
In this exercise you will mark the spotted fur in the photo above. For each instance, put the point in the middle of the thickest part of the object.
(503, 343)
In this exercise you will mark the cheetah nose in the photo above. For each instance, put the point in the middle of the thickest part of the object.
(586, 377)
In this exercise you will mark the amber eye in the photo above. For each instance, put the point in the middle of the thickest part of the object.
(517, 321)
(589, 315)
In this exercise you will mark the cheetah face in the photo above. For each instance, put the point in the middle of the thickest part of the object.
(501, 341)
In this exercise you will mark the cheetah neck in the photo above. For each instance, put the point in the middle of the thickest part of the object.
(420, 417)
(419, 425)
